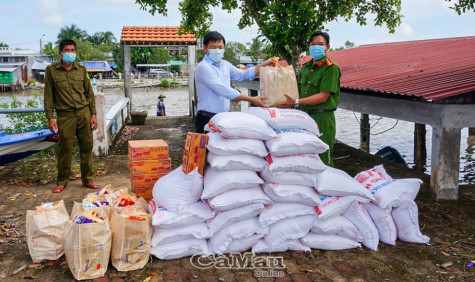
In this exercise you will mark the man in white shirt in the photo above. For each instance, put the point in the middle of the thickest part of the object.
(213, 77)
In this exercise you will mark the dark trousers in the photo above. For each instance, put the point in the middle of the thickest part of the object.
(201, 120)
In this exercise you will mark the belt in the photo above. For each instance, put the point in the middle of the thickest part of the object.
(317, 111)
(73, 112)
(206, 114)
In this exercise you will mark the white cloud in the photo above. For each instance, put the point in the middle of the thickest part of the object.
(54, 20)
(48, 12)
(406, 30)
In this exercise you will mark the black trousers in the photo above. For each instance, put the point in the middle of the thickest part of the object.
(200, 121)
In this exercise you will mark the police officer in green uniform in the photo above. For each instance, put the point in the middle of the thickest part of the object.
(319, 89)
(68, 90)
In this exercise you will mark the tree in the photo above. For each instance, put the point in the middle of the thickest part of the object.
(3, 44)
(349, 44)
(256, 49)
(71, 32)
(233, 51)
(48, 48)
(106, 37)
(287, 24)
(463, 6)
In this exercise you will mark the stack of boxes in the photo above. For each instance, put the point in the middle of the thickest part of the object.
(195, 152)
(148, 161)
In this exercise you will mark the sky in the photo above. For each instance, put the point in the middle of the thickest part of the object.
(25, 22)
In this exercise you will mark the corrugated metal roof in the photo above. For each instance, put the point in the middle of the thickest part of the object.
(7, 69)
(430, 69)
(96, 65)
(155, 34)
(40, 65)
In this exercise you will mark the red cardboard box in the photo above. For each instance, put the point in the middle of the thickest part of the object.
(158, 166)
(147, 149)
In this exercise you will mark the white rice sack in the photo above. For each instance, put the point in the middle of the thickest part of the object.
(360, 218)
(194, 231)
(287, 193)
(329, 242)
(177, 190)
(238, 198)
(243, 244)
(180, 249)
(219, 145)
(288, 245)
(240, 125)
(388, 192)
(290, 228)
(278, 211)
(225, 218)
(286, 119)
(295, 141)
(307, 163)
(290, 177)
(406, 218)
(335, 205)
(238, 230)
(236, 162)
(337, 225)
(219, 181)
(195, 213)
(336, 182)
(384, 223)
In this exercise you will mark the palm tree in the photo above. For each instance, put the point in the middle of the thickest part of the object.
(71, 32)
(48, 49)
(108, 37)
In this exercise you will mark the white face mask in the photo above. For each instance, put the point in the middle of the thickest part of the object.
(216, 55)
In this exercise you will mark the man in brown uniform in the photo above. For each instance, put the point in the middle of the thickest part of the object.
(68, 90)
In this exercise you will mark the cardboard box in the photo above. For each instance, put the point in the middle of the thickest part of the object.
(195, 152)
(144, 180)
(158, 166)
(146, 193)
(148, 149)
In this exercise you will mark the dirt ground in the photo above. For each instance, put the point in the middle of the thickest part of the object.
(450, 225)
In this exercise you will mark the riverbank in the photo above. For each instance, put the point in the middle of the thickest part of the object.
(450, 225)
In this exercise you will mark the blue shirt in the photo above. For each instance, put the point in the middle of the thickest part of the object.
(213, 84)
(160, 106)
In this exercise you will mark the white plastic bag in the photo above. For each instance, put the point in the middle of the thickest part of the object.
(295, 141)
(335, 205)
(360, 218)
(328, 242)
(307, 163)
(240, 125)
(194, 231)
(384, 223)
(336, 182)
(279, 211)
(219, 181)
(219, 145)
(177, 190)
(280, 119)
(242, 244)
(225, 218)
(290, 228)
(195, 213)
(236, 162)
(288, 245)
(238, 198)
(290, 177)
(406, 218)
(337, 225)
(180, 249)
(286, 193)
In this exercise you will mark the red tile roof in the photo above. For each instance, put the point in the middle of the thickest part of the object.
(155, 34)
(430, 69)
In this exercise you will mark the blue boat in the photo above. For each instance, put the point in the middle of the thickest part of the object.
(17, 146)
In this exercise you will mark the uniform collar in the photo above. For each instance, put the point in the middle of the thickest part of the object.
(60, 65)
(319, 63)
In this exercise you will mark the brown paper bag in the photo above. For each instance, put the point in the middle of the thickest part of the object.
(87, 248)
(45, 231)
(275, 81)
(102, 211)
(105, 193)
(130, 241)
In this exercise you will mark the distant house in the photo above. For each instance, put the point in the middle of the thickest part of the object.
(94, 68)
(29, 57)
(249, 60)
(38, 70)
(13, 74)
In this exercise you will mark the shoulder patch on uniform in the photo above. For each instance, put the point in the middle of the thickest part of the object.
(320, 64)
(328, 62)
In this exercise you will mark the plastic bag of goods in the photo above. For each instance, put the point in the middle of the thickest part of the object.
(102, 206)
(275, 80)
(290, 228)
(238, 198)
(278, 211)
(177, 190)
(168, 235)
(180, 249)
(220, 181)
(240, 125)
(280, 119)
(125, 199)
(236, 162)
(357, 214)
(406, 218)
(295, 141)
(337, 225)
(384, 222)
(306, 163)
(336, 182)
(245, 232)
(219, 145)
(335, 205)
(45, 231)
(225, 218)
(194, 213)
(104, 194)
(328, 242)
(131, 235)
(288, 245)
(87, 245)
(287, 193)
(289, 177)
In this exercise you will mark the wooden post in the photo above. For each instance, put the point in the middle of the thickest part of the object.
(471, 131)
(191, 77)
(128, 79)
(364, 132)
(101, 142)
(420, 151)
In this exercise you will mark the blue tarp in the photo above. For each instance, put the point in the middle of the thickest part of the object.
(97, 65)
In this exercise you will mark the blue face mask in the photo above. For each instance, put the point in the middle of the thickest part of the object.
(69, 57)
(317, 52)
(216, 55)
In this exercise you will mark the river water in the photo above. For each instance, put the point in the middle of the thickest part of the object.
(400, 134)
